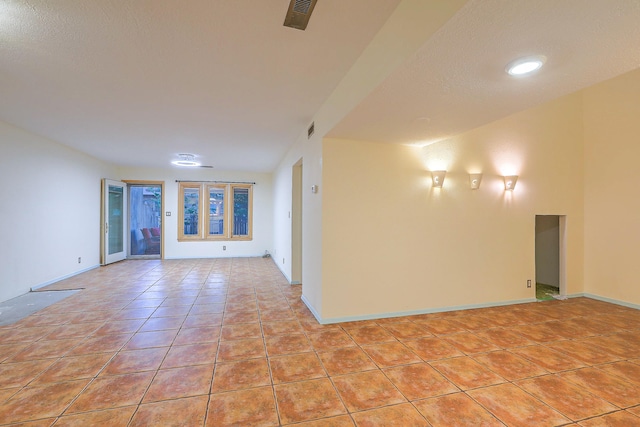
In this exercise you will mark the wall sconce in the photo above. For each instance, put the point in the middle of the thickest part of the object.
(438, 178)
(474, 180)
(510, 182)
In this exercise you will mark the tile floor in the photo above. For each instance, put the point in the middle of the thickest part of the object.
(227, 342)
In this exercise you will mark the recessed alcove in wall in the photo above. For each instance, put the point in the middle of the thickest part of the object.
(550, 255)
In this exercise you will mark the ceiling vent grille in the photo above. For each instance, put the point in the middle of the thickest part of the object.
(301, 6)
(299, 13)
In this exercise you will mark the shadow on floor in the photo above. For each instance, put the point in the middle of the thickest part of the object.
(20, 307)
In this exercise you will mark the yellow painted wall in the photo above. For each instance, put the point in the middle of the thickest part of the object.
(612, 198)
(392, 244)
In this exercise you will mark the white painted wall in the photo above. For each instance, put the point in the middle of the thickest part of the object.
(282, 192)
(262, 212)
(49, 210)
(310, 151)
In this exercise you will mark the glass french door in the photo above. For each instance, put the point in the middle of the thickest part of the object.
(114, 208)
(145, 220)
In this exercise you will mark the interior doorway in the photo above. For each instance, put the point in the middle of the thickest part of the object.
(296, 224)
(550, 256)
(145, 233)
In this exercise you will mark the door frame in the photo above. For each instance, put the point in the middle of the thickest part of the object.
(562, 241)
(562, 253)
(296, 223)
(162, 213)
(105, 257)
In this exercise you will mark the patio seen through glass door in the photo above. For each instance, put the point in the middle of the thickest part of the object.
(145, 220)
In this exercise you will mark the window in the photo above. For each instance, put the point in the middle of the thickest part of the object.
(191, 210)
(214, 211)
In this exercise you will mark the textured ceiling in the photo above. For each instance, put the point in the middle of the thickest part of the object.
(137, 82)
(457, 81)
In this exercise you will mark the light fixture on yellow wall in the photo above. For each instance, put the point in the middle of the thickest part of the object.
(510, 182)
(474, 180)
(438, 178)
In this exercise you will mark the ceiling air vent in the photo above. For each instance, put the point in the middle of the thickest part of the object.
(299, 13)
(311, 129)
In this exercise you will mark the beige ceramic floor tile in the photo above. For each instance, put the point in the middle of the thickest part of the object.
(547, 358)
(611, 388)
(419, 381)
(321, 401)
(182, 412)
(393, 416)
(330, 340)
(340, 421)
(367, 390)
(48, 400)
(346, 360)
(242, 374)
(180, 382)
(566, 397)
(516, 408)
(466, 373)
(390, 354)
(110, 417)
(432, 348)
(456, 409)
(252, 407)
(296, 367)
(509, 366)
(112, 392)
(240, 317)
(617, 419)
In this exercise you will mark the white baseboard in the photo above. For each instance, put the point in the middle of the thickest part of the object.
(51, 282)
(313, 310)
(612, 301)
(409, 313)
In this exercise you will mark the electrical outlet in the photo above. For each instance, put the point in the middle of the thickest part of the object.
(529, 283)
(224, 248)
(283, 260)
(79, 260)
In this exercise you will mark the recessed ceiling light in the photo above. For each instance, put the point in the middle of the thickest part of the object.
(523, 66)
(188, 160)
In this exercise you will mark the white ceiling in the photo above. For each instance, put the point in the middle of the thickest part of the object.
(457, 81)
(137, 82)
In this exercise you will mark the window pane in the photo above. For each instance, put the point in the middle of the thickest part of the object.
(240, 211)
(191, 204)
(116, 221)
(216, 211)
(145, 202)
